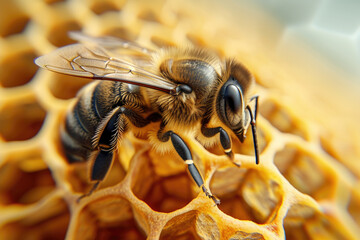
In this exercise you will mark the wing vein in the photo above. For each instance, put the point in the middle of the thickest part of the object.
(94, 61)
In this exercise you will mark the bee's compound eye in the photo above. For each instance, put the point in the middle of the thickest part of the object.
(230, 104)
(232, 97)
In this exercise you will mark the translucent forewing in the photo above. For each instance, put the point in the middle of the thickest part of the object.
(108, 42)
(93, 61)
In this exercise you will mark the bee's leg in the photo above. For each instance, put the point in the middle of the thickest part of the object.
(224, 139)
(183, 150)
(107, 135)
(100, 167)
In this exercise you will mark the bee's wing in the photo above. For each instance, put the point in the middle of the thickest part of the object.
(93, 61)
(109, 42)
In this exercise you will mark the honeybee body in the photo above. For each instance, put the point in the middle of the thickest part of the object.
(169, 93)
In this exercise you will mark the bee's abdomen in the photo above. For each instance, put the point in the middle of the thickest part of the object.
(94, 103)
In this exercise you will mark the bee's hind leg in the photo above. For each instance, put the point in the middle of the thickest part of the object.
(108, 134)
(183, 150)
(100, 167)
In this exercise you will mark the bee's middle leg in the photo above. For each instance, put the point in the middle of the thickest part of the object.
(183, 150)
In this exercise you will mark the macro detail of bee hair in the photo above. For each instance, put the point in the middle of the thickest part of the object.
(170, 120)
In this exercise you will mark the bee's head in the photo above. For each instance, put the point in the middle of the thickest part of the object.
(231, 101)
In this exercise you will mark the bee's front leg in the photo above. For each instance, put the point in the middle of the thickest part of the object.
(224, 139)
(183, 150)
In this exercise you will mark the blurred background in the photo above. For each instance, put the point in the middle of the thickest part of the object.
(306, 60)
(329, 27)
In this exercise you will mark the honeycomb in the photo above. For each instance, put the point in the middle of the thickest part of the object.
(305, 187)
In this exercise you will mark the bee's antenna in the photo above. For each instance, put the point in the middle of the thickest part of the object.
(253, 129)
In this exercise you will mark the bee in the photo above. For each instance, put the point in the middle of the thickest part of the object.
(160, 94)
